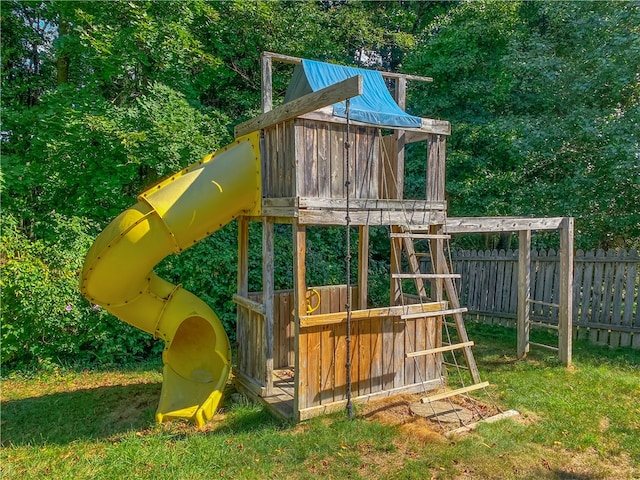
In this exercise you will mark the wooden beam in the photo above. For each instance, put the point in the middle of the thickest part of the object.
(420, 236)
(283, 58)
(299, 233)
(500, 224)
(371, 217)
(472, 426)
(351, 87)
(565, 320)
(412, 135)
(267, 297)
(399, 139)
(453, 393)
(380, 312)
(363, 266)
(436, 165)
(395, 267)
(542, 345)
(428, 276)
(297, 61)
(250, 304)
(429, 125)
(524, 292)
(243, 256)
(370, 204)
(267, 85)
(440, 313)
(433, 351)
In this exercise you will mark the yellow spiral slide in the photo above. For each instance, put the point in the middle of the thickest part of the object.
(170, 217)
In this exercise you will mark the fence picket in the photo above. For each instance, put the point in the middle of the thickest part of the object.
(616, 306)
(596, 297)
(629, 293)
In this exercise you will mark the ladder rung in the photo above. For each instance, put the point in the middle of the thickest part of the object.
(419, 236)
(432, 351)
(425, 275)
(438, 313)
(542, 345)
(453, 393)
(462, 367)
(550, 326)
(422, 254)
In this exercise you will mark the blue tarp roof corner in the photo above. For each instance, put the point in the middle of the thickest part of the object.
(375, 105)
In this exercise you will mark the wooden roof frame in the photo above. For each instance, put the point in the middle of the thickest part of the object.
(429, 126)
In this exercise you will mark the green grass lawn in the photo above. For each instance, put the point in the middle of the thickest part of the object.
(577, 423)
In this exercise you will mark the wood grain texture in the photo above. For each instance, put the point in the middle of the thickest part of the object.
(351, 87)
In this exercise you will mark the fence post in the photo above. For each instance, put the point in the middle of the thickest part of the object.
(524, 291)
(565, 319)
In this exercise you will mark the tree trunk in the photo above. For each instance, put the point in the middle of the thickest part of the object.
(62, 65)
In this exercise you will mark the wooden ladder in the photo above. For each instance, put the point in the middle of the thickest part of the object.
(442, 281)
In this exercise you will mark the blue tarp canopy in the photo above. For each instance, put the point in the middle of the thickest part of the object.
(374, 106)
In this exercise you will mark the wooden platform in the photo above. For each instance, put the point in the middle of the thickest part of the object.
(280, 401)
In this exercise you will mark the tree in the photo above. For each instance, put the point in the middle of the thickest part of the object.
(543, 98)
(101, 99)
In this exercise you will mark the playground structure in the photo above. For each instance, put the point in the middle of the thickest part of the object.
(331, 155)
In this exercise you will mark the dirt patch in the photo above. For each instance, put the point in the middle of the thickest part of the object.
(397, 411)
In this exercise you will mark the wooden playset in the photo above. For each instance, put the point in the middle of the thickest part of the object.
(313, 349)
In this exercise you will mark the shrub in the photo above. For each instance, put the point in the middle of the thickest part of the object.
(45, 320)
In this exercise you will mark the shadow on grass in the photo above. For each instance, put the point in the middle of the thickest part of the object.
(62, 418)
(104, 412)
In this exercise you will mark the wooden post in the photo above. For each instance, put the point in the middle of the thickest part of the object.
(436, 167)
(396, 190)
(267, 297)
(363, 266)
(396, 267)
(437, 254)
(243, 290)
(299, 309)
(524, 291)
(267, 88)
(565, 320)
(399, 136)
(243, 256)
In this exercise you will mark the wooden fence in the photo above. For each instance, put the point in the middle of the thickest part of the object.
(606, 300)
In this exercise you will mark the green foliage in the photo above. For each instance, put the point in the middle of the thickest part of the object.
(544, 116)
(101, 99)
(45, 320)
(77, 154)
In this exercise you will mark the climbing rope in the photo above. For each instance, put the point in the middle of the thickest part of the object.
(347, 183)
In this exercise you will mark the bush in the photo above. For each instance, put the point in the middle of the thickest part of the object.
(45, 320)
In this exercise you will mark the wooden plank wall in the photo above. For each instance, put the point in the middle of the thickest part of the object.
(309, 160)
(279, 161)
(606, 300)
(250, 335)
(378, 348)
(321, 154)
(391, 181)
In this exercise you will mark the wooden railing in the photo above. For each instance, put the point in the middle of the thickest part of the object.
(605, 293)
